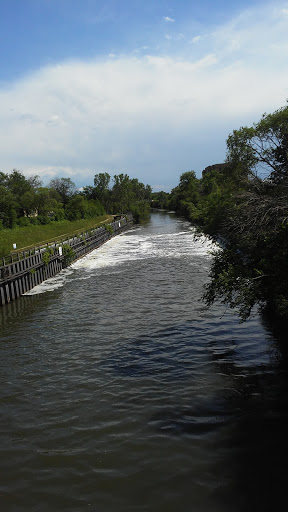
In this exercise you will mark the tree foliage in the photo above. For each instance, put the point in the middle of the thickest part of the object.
(262, 149)
(25, 201)
(252, 268)
(244, 205)
(125, 194)
(65, 187)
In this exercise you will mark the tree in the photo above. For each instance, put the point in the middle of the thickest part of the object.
(3, 179)
(29, 203)
(185, 197)
(35, 181)
(101, 182)
(102, 191)
(121, 193)
(48, 203)
(262, 149)
(7, 208)
(76, 208)
(252, 267)
(148, 193)
(17, 183)
(65, 188)
(160, 200)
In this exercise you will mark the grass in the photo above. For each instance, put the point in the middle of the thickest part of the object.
(31, 236)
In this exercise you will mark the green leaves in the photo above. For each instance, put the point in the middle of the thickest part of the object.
(245, 204)
(262, 148)
(252, 268)
(68, 253)
(47, 254)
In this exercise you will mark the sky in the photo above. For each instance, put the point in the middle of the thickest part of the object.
(151, 88)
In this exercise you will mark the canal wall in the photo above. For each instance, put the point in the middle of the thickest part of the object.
(26, 269)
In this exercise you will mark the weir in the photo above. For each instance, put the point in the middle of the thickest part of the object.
(27, 269)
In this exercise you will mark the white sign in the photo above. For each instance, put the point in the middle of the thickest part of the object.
(14, 246)
(60, 250)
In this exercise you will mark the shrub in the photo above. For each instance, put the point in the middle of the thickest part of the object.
(109, 228)
(23, 221)
(46, 255)
(68, 253)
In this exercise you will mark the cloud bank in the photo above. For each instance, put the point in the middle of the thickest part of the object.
(152, 116)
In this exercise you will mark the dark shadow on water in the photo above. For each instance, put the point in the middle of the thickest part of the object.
(278, 328)
(257, 449)
(248, 436)
(158, 355)
(199, 421)
(244, 424)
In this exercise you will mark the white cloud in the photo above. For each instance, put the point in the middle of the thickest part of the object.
(256, 32)
(175, 37)
(51, 171)
(168, 19)
(141, 49)
(196, 39)
(150, 116)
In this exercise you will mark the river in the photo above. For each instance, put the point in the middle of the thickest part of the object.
(120, 391)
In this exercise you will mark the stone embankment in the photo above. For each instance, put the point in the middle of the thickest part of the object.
(29, 268)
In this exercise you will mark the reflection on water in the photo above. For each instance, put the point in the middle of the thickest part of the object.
(120, 391)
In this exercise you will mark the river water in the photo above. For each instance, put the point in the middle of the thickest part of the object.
(120, 391)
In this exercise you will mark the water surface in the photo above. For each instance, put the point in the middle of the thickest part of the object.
(120, 391)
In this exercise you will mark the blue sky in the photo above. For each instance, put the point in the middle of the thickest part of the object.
(150, 88)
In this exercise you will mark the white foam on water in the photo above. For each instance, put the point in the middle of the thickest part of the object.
(51, 284)
(137, 244)
(137, 247)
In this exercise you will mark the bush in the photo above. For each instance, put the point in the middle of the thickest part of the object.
(109, 228)
(23, 221)
(68, 253)
(46, 255)
(140, 211)
(43, 220)
(33, 221)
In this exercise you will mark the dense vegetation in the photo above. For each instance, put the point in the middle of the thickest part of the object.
(25, 203)
(243, 205)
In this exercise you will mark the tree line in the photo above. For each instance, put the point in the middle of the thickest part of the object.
(25, 201)
(243, 206)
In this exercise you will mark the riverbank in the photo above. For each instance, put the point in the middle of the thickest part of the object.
(27, 237)
(32, 267)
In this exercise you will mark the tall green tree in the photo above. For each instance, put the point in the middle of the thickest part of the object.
(252, 267)
(101, 182)
(102, 191)
(8, 206)
(262, 149)
(65, 188)
(185, 197)
(121, 193)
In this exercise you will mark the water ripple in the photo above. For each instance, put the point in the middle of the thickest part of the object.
(120, 391)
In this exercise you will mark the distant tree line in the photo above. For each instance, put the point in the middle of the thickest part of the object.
(125, 195)
(244, 206)
(24, 201)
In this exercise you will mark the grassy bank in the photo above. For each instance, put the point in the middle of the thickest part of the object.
(30, 236)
